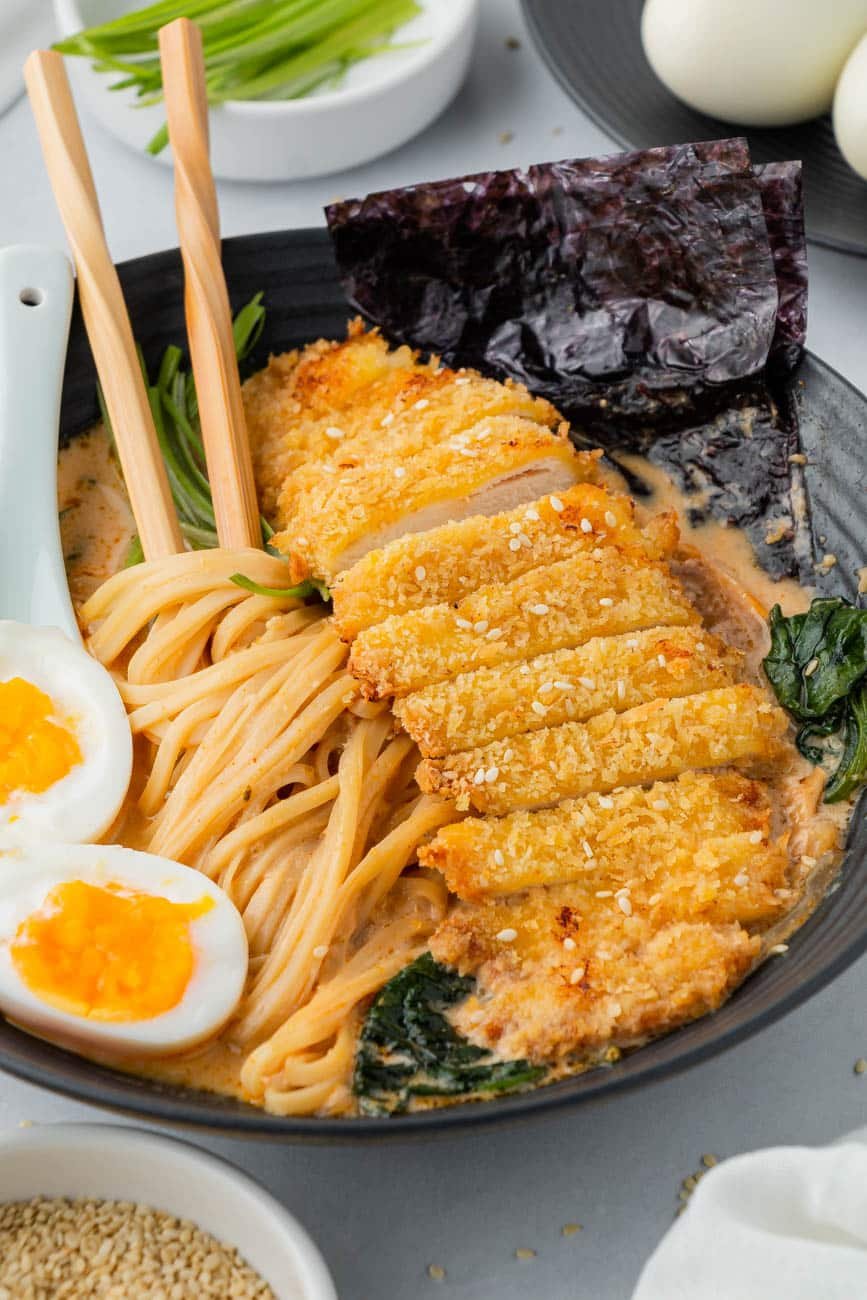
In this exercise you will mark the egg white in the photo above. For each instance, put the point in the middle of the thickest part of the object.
(850, 109)
(28, 874)
(81, 805)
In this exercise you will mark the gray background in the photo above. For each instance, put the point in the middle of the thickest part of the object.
(382, 1214)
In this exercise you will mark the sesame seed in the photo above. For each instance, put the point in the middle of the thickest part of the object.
(654, 899)
(524, 540)
(545, 687)
(563, 686)
(539, 609)
(660, 804)
(421, 404)
(606, 602)
(621, 689)
(811, 667)
(605, 801)
(538, 707)
(604, 893)
(420, 573)
(632, 643)
(587, 682)
(387, 419)
(709, 1160)
(778, 949)
(463, 379)
(481, 626)
(524, 670)
(466, 451)
(661, 660)
(570, 1229)
(514, 528)
(586, 526)
(479, 776)
(333, 432)
(624, 904)
(436, 1272)
(321, 951)
(492, 774)
(741, 879)
(498, 857)
(524, 1252)
(577, 975)
(464, 624)
(533, 516)
(587, 849)
(514, 543)
(569, 944)
(508, 755)
(399, 472)
(699, 645)
(493, 633)
(556, 504)
(860, 1066)
(755, 837)
(507, 936)
(610, 518)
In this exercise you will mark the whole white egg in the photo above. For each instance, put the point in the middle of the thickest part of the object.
(752, 62)
(850, 109)
(53, 692)
(116, 933)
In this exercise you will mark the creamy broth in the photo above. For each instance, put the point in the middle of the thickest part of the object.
(716, 563)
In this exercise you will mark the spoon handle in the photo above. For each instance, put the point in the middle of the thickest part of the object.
(206, 299)
(103, 307)
(35, 306)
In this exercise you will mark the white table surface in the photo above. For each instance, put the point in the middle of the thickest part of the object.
(382, 1214)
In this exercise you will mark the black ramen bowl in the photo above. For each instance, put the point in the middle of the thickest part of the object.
(304, 301)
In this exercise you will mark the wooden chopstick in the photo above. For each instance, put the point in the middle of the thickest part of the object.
(206, 299)
(103, 306)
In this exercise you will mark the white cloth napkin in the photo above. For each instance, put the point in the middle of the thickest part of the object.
(789, 1223)
(25, 25)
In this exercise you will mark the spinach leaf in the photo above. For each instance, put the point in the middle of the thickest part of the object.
(817, 666)
(301, 591)
(407, 1048)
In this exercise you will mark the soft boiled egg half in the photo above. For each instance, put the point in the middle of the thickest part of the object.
(65, 743)
(108, 949)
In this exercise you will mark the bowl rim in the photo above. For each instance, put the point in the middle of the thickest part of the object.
(73, 1135)
(459, 24)
(199, 1110)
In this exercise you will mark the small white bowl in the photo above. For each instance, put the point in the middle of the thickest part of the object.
(109, 1162)
(383, 101)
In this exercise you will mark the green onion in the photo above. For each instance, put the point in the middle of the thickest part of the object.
(302, 591)
(172, 398)
(254, 49)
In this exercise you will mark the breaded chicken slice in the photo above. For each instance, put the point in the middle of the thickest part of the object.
(433, 406)
(561, 972)
(617, 672)
(291, 404)
(447, 563)
(653, 742)
(603, 592)
(506, 460)
(710, 830)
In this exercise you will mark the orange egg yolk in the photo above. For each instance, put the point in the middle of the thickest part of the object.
(106, 952)
(35, 750)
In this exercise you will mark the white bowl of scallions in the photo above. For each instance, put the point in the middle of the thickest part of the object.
(298, 88)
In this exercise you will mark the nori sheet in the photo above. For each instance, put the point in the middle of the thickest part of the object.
(649, 295)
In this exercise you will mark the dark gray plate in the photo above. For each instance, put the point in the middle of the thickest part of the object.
(304, 301)
(593, 47)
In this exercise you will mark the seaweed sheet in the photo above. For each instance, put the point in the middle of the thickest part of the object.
(647, 294)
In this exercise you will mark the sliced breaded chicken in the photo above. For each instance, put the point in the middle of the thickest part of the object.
(572, 685)
(560, 971)
(433, 406)
(447, 563)
(299, 396)
(602, 592)
(653, 742)
(710, 830)
(506, 460)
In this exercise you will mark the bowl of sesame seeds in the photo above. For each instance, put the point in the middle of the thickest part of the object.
(98, 1210)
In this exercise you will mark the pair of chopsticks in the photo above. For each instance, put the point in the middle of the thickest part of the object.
(206, 300)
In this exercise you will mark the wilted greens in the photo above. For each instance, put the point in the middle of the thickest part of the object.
(254, 49)
(817, 666)
(407, 1048)
(301, 591)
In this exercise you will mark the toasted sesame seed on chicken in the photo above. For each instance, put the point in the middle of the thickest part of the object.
(447, 563)
(360, 508)
(546, 609)
(652, 742)
(617, 672)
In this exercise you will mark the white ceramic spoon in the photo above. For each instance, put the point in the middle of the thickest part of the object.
(39, 638)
